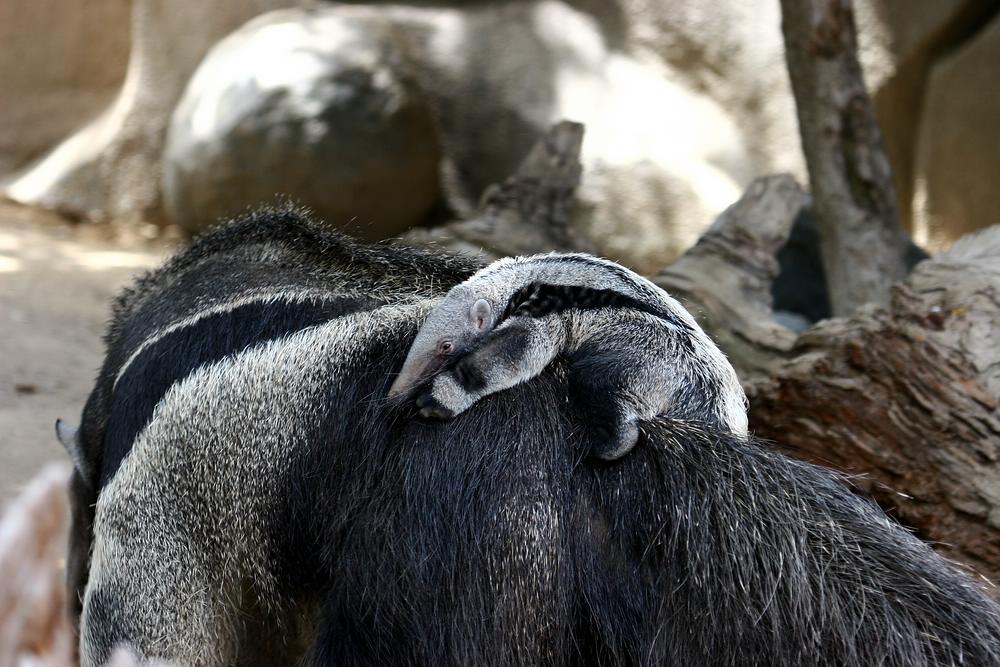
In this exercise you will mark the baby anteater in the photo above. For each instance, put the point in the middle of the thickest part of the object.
(634, 352)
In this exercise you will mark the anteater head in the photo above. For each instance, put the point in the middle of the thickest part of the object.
(451, 329)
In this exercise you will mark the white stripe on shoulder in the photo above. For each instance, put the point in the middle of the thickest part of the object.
(247, 298)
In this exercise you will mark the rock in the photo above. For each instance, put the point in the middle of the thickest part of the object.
(314, 105)
(647, 193)
(660, 158)
(733, 53)
(957, 157)
(674, 132)
(684, 102)
(53, 85)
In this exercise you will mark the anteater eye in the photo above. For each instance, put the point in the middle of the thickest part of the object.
(446, 347)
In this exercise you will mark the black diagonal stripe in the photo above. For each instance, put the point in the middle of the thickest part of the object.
(541, 299)
(210, 339)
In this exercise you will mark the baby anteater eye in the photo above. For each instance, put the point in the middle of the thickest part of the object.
(445, 347)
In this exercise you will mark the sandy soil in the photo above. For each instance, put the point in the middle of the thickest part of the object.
(56, 282)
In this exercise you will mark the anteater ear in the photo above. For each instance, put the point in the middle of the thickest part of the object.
(481, 315)
(69, 438)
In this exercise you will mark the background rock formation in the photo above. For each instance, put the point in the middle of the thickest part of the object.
(956, 157)
(306, 104)
(904, 45)
(493, 75)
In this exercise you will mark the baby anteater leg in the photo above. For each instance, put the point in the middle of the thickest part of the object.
(611, 425)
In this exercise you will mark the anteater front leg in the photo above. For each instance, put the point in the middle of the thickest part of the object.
(515, 352)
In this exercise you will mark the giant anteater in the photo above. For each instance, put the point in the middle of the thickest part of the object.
(245, 495)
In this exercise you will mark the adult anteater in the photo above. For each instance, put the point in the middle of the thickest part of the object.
(251, 498)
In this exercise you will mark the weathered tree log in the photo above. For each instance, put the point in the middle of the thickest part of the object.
(527, 213)
(863, 244)
(908, 395)
(725, 279)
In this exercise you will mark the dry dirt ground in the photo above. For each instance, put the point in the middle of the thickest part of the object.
(56, 283)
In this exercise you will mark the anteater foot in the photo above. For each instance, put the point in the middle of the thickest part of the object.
(611, 444)
(431, 408)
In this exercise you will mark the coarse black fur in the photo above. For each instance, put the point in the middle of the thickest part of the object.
(540, 299)
(698, 549)
(488, 539)
(271, 249)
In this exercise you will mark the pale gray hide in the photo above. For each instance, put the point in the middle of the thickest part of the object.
(179, 545)
(656, 368)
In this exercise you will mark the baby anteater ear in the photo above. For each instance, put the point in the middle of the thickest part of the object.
(481, 315)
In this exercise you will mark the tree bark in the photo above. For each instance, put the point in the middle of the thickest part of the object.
(863, 244)
(527, 213)
(907, 395)
(725, 279)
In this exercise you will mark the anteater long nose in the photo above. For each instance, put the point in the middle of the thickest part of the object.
(410, 375)
(398, 387)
